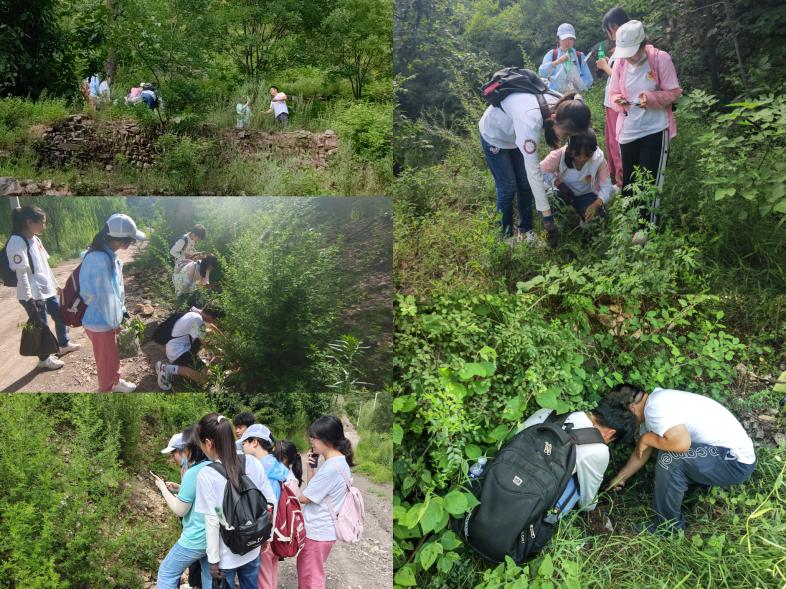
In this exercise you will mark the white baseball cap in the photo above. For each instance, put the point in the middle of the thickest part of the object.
(121, 225)
(256, 430)
(175, 443)
(566, 31)
(629, 38)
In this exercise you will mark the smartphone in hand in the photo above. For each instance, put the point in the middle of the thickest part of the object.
(313, 459)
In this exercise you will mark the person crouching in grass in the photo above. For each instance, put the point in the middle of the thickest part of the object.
(183, 345)
(698, 441)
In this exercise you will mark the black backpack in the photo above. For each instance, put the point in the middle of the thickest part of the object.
(246, 511)
(163, 332)
(7, 275)
(516, 80)
(519, 489)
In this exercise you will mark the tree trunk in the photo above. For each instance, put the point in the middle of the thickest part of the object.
(733, 29)
(712, 55)
(111, 58)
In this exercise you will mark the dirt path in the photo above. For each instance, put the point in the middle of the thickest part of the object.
(18, 373)
(369, 563)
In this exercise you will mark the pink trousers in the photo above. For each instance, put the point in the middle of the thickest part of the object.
(613, 155)
(107, 358)
(268, 570)
(311, 564)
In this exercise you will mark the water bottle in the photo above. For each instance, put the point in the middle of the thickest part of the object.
(477, 469)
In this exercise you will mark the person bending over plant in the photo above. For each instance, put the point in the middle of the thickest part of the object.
(697, 439)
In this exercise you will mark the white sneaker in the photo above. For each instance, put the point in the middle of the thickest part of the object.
(124, 386)
(71, 347)
(533, 239)
(51, 363)
(164, 382)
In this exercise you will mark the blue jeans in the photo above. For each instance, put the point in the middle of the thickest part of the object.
(510, 179)
(247, 574)
(41, 312)
(706, 465)
(178, 560)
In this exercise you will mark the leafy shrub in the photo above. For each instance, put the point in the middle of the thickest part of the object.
(368, 128)
(470, 368)
(182, 159)
(280, 301)
(18, 114)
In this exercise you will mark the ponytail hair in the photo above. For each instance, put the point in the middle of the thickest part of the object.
(328, 429)
(287, 453)
(218, 429)
(100, 240)
(21, 215)
(572, 116)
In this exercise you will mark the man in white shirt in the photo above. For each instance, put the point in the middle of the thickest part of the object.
(698, 439)
(278, 106)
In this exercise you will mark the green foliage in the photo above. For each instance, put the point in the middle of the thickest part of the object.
(279, 302)
(17, 115)
(374, 456)
(182, 159)
(368, 128)
(470, 368)
(65, 498)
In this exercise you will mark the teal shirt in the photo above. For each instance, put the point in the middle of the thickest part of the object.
(193, 535)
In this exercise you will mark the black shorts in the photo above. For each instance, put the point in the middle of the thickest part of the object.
(191, 358)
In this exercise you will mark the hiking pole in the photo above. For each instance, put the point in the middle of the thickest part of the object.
(14, 202)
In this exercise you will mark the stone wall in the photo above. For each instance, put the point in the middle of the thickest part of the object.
(81, 140)
(311, 148)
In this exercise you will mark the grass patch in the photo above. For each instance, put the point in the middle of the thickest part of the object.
(375, 456)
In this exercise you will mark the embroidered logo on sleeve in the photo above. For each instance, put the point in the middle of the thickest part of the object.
(17, 259)
(530, 146)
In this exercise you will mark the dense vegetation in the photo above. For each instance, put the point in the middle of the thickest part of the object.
(77, 508)
(469, 369)
(287, 285)
(723, 204)
(204, 57)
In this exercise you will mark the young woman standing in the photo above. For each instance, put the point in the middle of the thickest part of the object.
(101, 288)
(328, 441)
(36, 287)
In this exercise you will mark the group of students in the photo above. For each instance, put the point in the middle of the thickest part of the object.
(641, 88)
(216, 453)
(278, 108)
(97, 91)
(697, 441)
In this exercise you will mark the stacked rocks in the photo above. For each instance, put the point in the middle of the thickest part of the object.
(80, 140)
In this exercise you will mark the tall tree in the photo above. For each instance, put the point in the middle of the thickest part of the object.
(359, 37)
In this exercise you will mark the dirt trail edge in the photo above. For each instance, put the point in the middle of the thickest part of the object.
(369, 563)
(18, 373)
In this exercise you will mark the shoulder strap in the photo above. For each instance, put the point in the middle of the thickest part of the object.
(582, 435)
(219, 468)
(554, 54)
(580, 56)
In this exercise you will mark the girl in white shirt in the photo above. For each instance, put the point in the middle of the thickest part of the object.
(36, 287)
(190, 276)
(580, 174)
(217, 439)
(509, 135)
(327, 485)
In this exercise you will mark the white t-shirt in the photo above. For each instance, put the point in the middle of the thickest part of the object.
(182, 248)
(39, 286)
(210, 494)
(591, 459)
(708, 421)
(641, 122)
(189, 327)
(187, 277)
(606, 99)
(327, 482)
(103, 90)
(519, 124)
(279, 106)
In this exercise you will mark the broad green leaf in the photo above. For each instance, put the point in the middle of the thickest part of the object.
(546, 568)
(429, 554)
(449, 540)
(456, 503)
(472, 451)
(398, 434)
(780, 387)
(405, 576)
(404, 404)
(432, 515)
